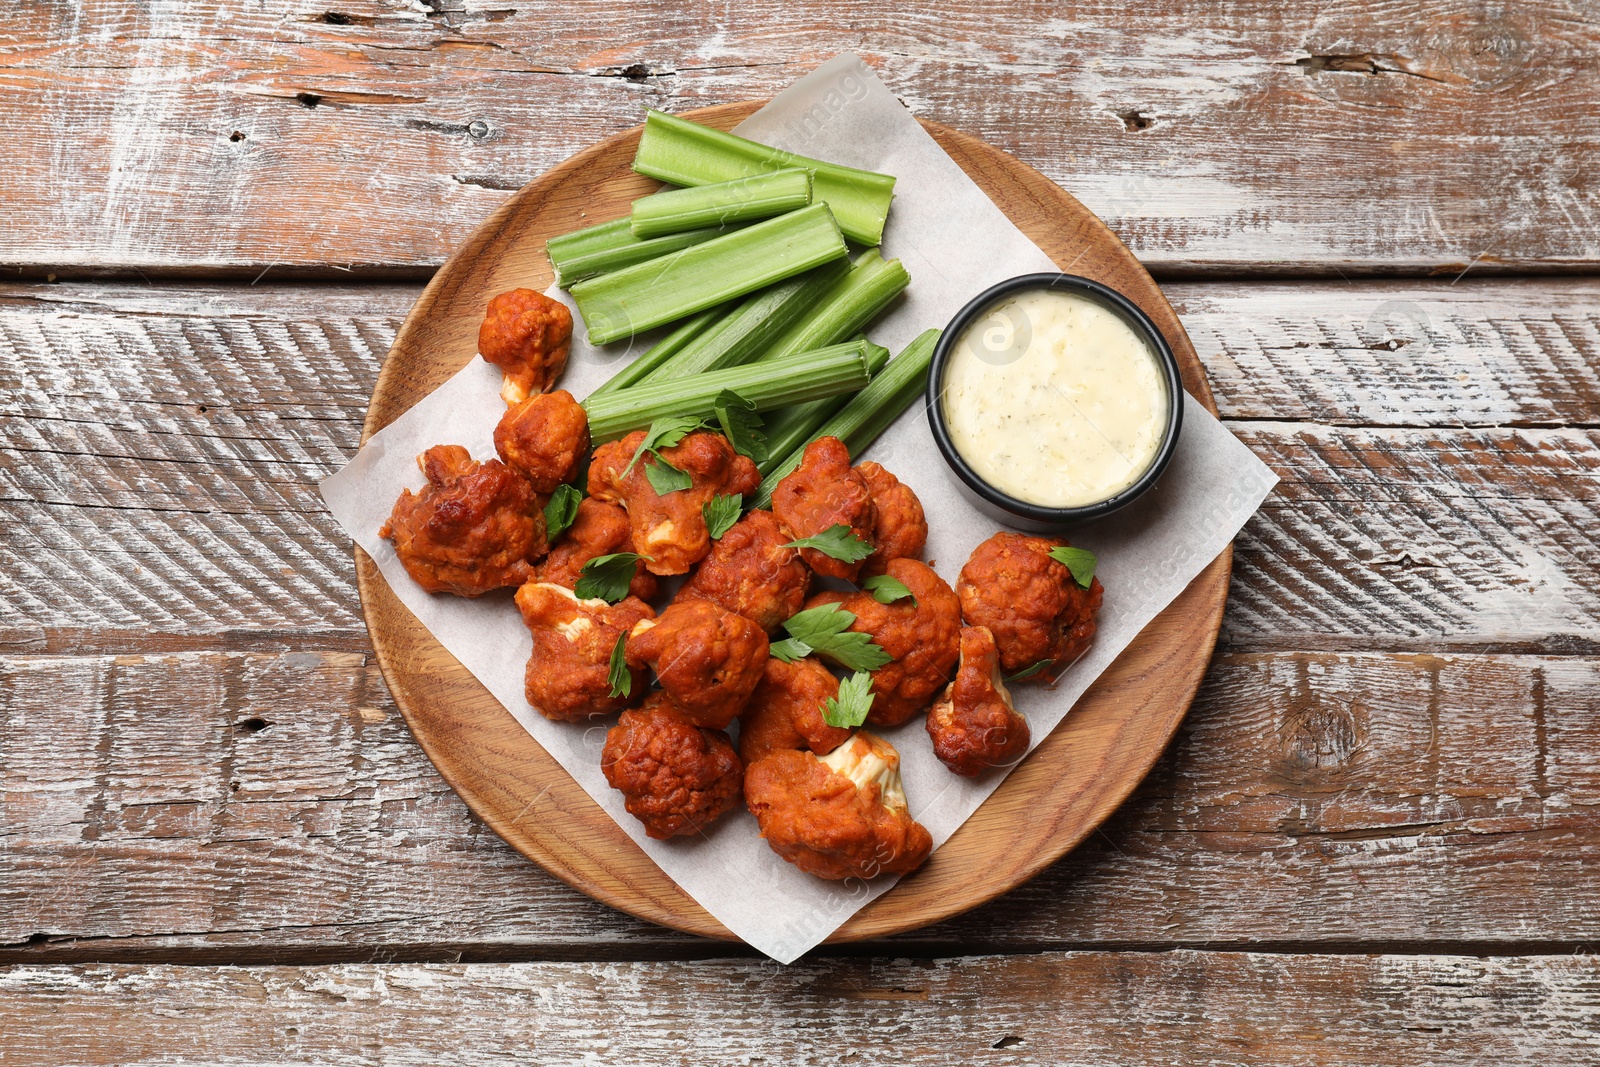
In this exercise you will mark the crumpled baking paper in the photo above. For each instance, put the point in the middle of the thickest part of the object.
(955, 243)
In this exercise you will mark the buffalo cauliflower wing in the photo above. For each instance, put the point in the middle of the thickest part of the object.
(473, 528)
(678, 778)
(568, 676)
(526, 334)
(670, 531)
(544, 438)
(837, 816)
(974, 725)
(785, 711)
(750, 571)
(822, 492)
(1036, 610)
(707, 659)
(899, 529)
(922, 634)
(600, 529)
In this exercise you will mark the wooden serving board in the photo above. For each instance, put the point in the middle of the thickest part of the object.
(1065, 788)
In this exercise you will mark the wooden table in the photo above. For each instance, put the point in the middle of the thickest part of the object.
(1371, 842)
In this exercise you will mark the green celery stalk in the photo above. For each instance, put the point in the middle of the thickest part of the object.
(634, 299)
(793, 426)
(748, 330)
(663, 351)
(759, 196)
(855, 300)
(686, 153)
(772, 383)
(611, 246)
(864, 416)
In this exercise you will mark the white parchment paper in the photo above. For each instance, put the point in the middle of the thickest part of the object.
(955, 243)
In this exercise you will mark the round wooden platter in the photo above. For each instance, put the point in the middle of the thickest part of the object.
(1065, 788)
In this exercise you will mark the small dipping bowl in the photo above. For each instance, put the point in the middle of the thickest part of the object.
(1002, 505)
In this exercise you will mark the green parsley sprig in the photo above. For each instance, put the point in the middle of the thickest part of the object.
(619, 677)
(607, 577)
(826, 631)
(837, 541)
(850, 707)
(886, 589)
(721, 512)
(1080, 561)
(561, 511)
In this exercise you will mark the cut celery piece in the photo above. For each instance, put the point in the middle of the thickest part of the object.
(686, 153)
(864, 416)
(853, 302)
(747, 331)
(674, 286)
(792, 427)
(759, 196)
(804, 376)
(611, 246)
(663, 351)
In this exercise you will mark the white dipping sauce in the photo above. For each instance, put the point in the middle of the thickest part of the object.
(1053, 399)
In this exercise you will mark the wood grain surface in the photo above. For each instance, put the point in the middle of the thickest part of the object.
(373, 135)
(1203, 1008)
(1372, 840)
(1064, 788)
(233, 807)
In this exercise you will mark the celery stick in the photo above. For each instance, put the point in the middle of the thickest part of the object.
(674, 286)
(663, 351)
(759, 196)
(748, 330)
(855, 300)
(791, 427)
(612, 246)
(805, 376)
(865, 415)
(687, 153)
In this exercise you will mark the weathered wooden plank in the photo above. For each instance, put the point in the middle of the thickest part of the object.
(226, 807)
(1203, 1008)
(176, 435)
(368, 134)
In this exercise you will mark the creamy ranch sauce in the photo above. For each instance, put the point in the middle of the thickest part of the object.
(1051, 398)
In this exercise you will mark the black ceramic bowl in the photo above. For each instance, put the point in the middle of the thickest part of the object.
(1008, 509)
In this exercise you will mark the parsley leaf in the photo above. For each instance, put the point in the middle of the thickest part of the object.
(607, 577)
(789, 649)
(619, 676)
(1029, 672)
(849, 709)
(825, 630)
(721, 512)
(664, 433)
(664, 478)
(741, 424)
(837, 541)
(886, 589)
(1080, 561)
(561, 511)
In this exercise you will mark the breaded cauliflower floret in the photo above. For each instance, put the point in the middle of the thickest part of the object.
(544, 438)
(707, 659)
(671, 530)
(1031, 603)
(822, 492)
(751, 572)
(923, 635)
(568, 676)
(785, 711)
(678, 777)
(900, 529)
(838, 816)
(473, 528)
(974, 725)
(599, 530)
(526, 334)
